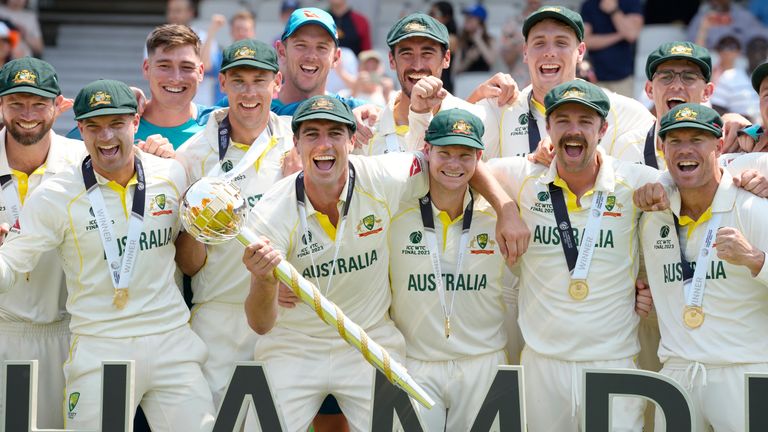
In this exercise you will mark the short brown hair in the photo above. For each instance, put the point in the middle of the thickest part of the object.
(172, 36)
(243, 15)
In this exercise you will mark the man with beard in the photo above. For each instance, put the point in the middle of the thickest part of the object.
(34, 324)
(418, 54)
(331, 222)
(706, 268)
(112, 218)
(577, 279)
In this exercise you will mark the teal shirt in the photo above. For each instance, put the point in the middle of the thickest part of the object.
(177, 135)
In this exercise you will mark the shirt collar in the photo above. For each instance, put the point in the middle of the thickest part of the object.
(724, 200)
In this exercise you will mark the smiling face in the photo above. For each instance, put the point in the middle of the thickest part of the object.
(667, 96)
(324, 146)
(250, 93)
(691, 156)
(307, 57)
(109, 141)
(552, 52)
(416, 57)
(28, 117)
(451, 167)
(575, 131)
(173, 75)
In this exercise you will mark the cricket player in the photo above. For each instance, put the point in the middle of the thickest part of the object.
(419, 51)
(331, 222)
(554, 46)
(450, 314)
(246, 144)
(34, 324)
(113, 218)
(577, 286)
(706, 269)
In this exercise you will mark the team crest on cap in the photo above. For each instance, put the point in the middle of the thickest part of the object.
(551, 9)
(686, 114)
(24, 77)
(573, 93)
(414, 26)
(310, 14)
(462, 127)
(244, 52)
(100, 98)
(322, 104)
(681, 50)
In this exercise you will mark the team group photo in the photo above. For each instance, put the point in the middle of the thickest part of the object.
(383, 204)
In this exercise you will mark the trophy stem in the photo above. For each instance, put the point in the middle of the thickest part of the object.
(332, 315)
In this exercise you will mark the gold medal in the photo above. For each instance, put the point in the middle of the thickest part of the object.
(693, 316)
(447, 327)
(578, 289)
(120, 298)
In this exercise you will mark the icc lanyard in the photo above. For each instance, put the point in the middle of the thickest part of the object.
(578, 259)
(695, 280)
(255, 154)
(120, 270)
(427, 219)
(300, 197)
(649, 150)
(533, 128)
(11, 197)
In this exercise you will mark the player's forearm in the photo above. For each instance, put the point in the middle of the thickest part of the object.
(190, 254)
(261, 304)
(485, 183)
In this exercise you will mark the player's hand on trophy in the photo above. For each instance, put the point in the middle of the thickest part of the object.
(643, 299)
(544, 154)
(427, 94)
(733, 248)
(651, 197)
(752, 181)
(157, 145)
(286, 297)
(261, 259)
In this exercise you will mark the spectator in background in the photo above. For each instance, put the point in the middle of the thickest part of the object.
(757, 50)
(242, 25)
(660, 12)
(759, 9)
(286, 9)
(512, 42)
(354, 30)
(183, 12)
(443, 12)
(26, 23)
(716, 17)
(733, 88)
(476, 47)
(371, 83)
(611, 28)
(8, 41)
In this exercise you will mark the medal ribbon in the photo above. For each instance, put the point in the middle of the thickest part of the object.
(300, 197)
(533, 128)
(578, 259)
(11, 197)
(427, 219)
(649, 150)
(120, 270)
(694, 296)
(255, 154)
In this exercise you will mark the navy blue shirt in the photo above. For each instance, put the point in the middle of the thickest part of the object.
(617, 61)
